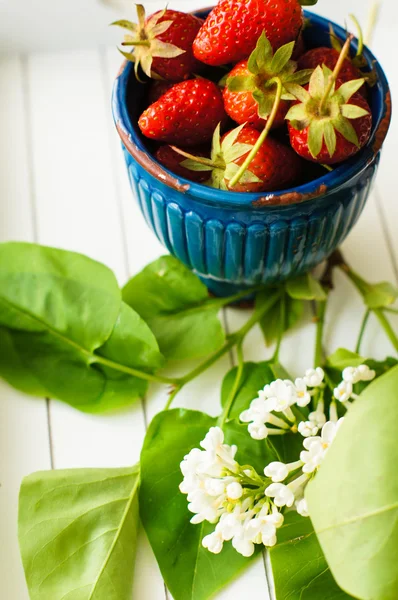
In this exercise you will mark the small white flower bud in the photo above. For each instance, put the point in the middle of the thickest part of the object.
(343, 391)
(213, 542)
(308, 428)
(277, 471)
(282, 495)
(234, 491)
(314, 377)
(302, 507)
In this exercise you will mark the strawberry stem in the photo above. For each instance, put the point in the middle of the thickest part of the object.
(199, 159)
(263, 136)
(146, 43)
(339, 65)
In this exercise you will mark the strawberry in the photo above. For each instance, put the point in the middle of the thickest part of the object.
(233, 27)
(162, 43)
(329, 57)
(170, 159)
(157, 90)
(250, 90)
(320, 126)
(186, 115)
(274, 167)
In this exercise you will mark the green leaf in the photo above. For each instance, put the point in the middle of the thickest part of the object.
(344, 127)
(265, 101)
(317, 83)
(351, 111)
(315, 137)
(241, 83)
(299, 567)
(216, 143)
(353, 500)
(308, 2)
(237, 151)
(300, 77)
(343, 358)
(126, 25)
(176, 306)
(281, 58)
(193, 165)
(59, 313)
(349, 88)
(297, 112)
(298, 92)
(334, 40)
(330, 138)
(271, 322)
(305, 287)
(261, 55)
(254, 377)
(189, 570)
(231, 138)
(78, 533)
(380, 295)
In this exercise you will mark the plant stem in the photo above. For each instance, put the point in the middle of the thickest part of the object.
(172, 395)
(231, 398)
(333, 78)
(391, 310)
(282, 324)
(133, 372)
(236, 297)
(235, 339)
(263, 136)
(362, 330)
(385, 323)
(320, 326)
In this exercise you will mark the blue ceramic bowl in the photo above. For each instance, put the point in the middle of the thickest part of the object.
(234, 240)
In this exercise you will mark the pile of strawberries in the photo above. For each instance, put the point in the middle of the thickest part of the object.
(238, 103)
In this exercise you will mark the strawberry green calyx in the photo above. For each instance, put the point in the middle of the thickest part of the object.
(308, 2)
(264, 66)
(221, 165)
(143, 38)
(323, 109)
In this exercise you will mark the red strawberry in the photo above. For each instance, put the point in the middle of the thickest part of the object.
(162, 43)
(172, 161)
(329, 57)
(274, 167)
(186, 115)
(250, 91)
(233, 27)
(329, 126)
(157, 90)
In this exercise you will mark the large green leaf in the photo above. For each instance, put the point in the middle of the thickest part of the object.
(61, 315)
(77, 533)
(254, 377)
(271, 322)
(353, 500)
(305, 287)
(176, 305)
(190, 571)
(343, 358)
(299, 568)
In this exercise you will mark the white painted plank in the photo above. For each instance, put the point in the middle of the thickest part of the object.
(77, 209)
(24, 445)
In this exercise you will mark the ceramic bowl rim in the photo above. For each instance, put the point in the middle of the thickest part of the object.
(317, 188)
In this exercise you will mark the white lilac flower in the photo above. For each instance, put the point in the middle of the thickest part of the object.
(282, 494)
(220, 453)
(278, 471)
(308, 429)
(314, 377)
(262, 528)
(303, 395)
(316, 447)
(257, 416)
(318, 417)
(279, 395)
(343, 391)
(302, 507)
(234, 491)
(213, 542)
(355, 374)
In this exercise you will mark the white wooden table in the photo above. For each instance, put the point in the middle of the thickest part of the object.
(63, 183)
